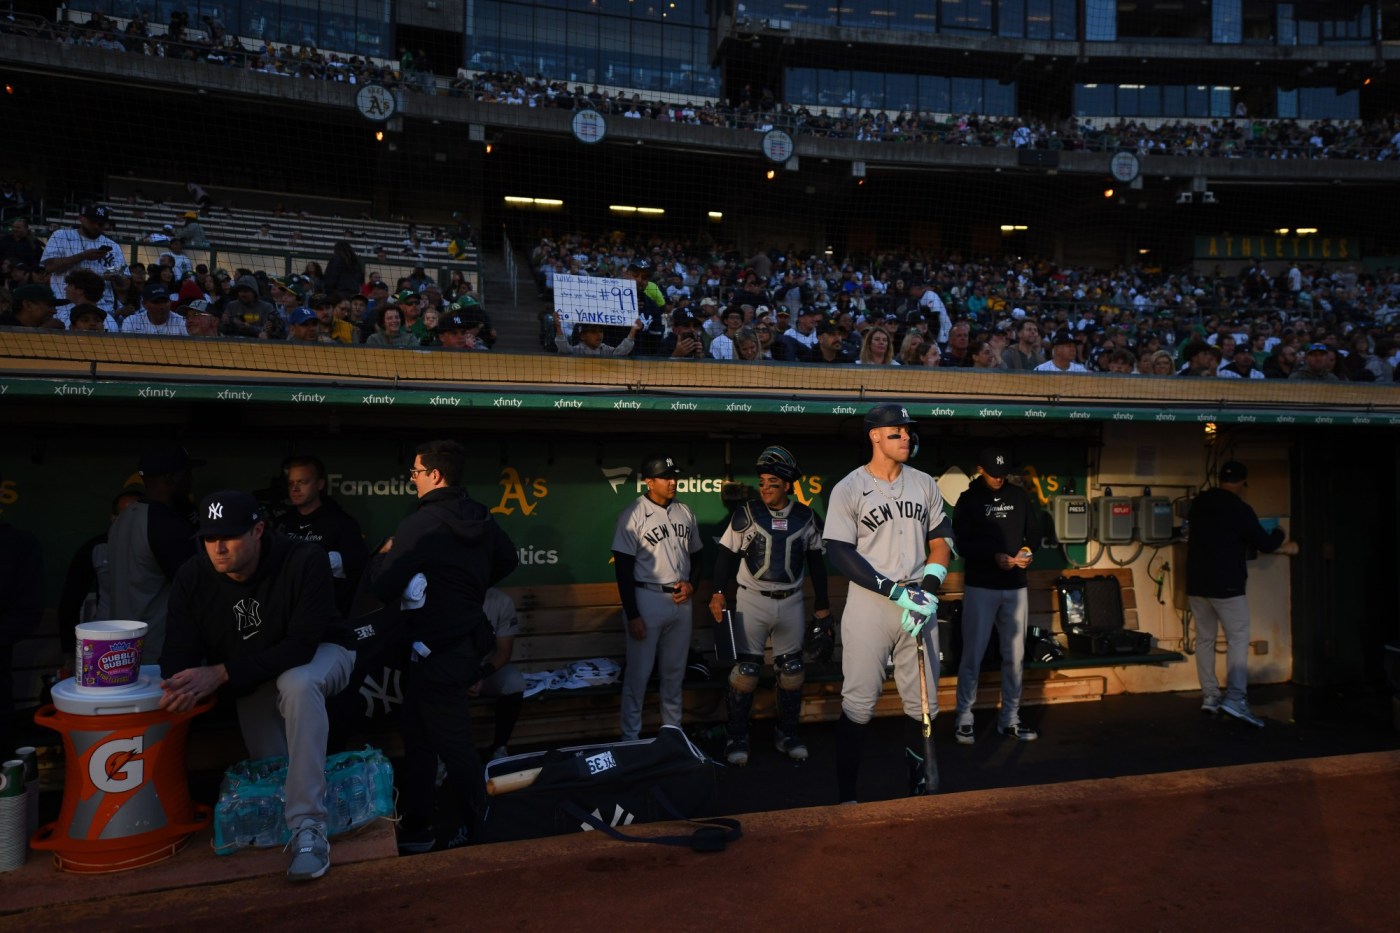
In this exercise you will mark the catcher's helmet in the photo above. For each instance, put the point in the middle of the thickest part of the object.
(887, 415)
(777, 461)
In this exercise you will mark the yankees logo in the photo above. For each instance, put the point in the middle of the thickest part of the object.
(1001, 461)
(216, 510)
(245, 611)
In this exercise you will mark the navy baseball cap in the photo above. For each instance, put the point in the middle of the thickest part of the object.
(155, 291)
(660, 466)
(40, 293)
(994, 461)
(303, 316)
(227, 514)
(455, 321)
(1232, 471)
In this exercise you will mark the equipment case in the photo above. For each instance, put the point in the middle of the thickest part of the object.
(1091, 615)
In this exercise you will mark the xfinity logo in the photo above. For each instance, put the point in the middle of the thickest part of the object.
(842, 410)
(798, 409)
(377, 400)
(72, 390)
(622, 403)
(504, 402)
(235, 394)
(567, 403)
(1122, 416)
(738, 406)
(947, 412)
(1035, 413)
(153, 392)
(306, 397)
(990, 413)
(1079, 416)
(452, 400)
(684, 406)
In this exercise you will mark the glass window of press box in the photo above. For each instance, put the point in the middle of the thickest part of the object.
(351, 27)
(652, 45)
(1150, 100)
(1017, 19)
(817, 87)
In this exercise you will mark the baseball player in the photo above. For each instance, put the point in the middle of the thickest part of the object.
(887, 533)
(765, 545)
(997, 533)
(653, 548)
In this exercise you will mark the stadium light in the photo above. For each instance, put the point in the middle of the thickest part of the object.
(1282, 231)
(715, 215)
(1108, 192)
(772, 174)
(488, 148)
(1013, 228)
(379, 136)
(1305, 231)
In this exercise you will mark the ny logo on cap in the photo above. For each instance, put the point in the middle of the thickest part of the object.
(669, 463)
(216, 510)
(904, 413)
(1001, 461)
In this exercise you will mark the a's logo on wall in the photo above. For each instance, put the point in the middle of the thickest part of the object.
(517, 490)
(616, 476)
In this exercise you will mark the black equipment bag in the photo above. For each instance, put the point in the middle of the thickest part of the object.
(608, 787)
(1091, 615)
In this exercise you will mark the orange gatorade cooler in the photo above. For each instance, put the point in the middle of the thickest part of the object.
(126, 800)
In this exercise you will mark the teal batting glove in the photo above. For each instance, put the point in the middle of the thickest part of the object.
(913, 599)
(913, 623)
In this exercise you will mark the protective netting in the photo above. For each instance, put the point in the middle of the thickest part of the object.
(847, 196)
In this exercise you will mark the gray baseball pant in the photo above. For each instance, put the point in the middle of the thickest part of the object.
(1006, 612)
(870, 632)
(668, 639)
(1231, 614)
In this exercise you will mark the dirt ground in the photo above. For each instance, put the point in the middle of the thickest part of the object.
(1305, 844)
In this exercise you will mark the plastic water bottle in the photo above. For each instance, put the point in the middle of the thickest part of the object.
(251, 821)
(350, 806)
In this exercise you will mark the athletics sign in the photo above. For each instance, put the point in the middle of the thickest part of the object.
(581, 299)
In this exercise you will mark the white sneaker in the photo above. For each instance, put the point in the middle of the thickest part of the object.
(1210, 705)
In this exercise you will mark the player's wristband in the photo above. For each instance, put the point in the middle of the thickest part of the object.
(934, 575)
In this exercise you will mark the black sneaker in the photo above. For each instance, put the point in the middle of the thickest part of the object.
(417, 842)
(1020, 732)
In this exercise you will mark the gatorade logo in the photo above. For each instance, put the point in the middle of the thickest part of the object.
(114, 767)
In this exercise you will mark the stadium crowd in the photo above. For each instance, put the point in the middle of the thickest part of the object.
(1305, 322)
(707, 301)
(749, 108)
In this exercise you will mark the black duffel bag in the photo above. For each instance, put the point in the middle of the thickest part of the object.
(605, 787)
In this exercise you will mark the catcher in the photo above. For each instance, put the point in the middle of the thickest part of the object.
(765, 545)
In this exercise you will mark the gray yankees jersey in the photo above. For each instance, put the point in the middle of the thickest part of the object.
(661, 538)
(887, 522)
(773, 545)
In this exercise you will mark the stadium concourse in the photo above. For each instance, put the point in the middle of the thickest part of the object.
(1223, 138)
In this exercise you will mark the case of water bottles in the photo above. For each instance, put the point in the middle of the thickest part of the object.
(252, 801)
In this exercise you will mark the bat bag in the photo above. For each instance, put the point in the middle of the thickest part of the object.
(606, 788)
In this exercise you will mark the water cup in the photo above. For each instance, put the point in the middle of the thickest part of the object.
(108, 654)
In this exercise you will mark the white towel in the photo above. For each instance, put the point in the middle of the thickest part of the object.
(415, 593)
(337, 565)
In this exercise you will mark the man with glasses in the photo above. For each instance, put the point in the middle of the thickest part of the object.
(440, 562)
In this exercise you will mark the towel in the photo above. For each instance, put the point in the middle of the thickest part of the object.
(415, 593)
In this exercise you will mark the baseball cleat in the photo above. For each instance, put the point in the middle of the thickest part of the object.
(791, 746)
(1020, 732)
(736, 752)
(965, 735)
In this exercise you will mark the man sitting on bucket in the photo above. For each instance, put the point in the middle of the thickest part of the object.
(256, 610)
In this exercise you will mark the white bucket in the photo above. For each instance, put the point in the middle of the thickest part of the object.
(108, 654)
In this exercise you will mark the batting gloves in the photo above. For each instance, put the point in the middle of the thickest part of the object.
(934, 575)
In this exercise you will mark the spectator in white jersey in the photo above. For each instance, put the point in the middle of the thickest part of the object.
(155, 316)
(86, 247)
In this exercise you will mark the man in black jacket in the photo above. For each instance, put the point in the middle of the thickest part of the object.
(441, 561)
(256, 611)
(1222, 526)
(314, 517)
(997, 532)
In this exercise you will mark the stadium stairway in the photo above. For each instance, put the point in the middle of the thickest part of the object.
(515, 312)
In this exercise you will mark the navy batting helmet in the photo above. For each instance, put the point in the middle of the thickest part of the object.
(888, 415)
(778, 462)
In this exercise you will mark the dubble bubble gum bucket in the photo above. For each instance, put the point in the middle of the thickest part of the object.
(108, 654)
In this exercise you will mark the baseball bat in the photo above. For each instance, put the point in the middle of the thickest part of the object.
(926, 726)
(515, 780)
